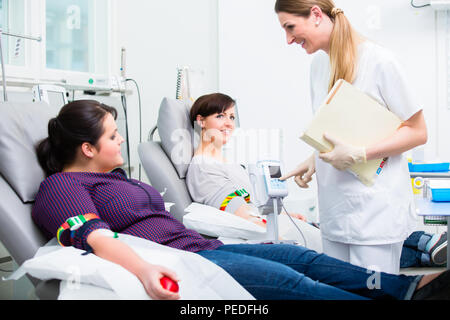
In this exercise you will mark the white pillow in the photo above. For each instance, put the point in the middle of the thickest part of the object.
(213, 222)
(230, 228)
(200, 278)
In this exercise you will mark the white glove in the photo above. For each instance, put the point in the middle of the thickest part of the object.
(303, 172)
(343, 156)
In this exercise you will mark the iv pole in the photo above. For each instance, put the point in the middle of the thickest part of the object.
(39, 39)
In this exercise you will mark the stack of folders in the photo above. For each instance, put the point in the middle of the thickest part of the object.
(355, 118)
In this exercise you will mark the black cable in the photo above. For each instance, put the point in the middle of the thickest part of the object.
(293, 222)
(421, 6)
(124, 106)
(140, 116)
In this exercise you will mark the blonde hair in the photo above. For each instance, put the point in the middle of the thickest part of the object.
(343, 39)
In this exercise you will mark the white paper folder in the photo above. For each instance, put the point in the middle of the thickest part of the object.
(355, 118)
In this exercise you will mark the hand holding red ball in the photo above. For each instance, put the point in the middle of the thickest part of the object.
(169, 284)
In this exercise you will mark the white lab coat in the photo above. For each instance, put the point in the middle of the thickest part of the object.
(351, 212)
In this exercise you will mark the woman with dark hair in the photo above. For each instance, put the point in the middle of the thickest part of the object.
(78, 123)
(88, 201)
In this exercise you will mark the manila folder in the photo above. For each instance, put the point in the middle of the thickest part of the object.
(357, 119)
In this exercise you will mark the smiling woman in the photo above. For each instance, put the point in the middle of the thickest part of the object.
(211, 178)
(215, 115)
(345, 205)
(319, 25)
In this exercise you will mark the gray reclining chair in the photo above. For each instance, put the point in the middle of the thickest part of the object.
(166, 162)
(21, 126)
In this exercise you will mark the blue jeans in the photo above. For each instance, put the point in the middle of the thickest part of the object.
(413, 251)
(283, 271)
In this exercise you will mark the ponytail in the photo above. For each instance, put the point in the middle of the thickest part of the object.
(343, 49)
(78, 122)
(47, 157)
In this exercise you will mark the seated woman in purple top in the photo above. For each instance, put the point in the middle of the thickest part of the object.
(79, 158)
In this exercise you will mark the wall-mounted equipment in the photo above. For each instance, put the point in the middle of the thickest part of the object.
(53, 95)
(20, 36)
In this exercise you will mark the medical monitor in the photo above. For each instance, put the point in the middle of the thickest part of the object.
(275, 171)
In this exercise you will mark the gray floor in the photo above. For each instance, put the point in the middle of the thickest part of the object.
(21, 289)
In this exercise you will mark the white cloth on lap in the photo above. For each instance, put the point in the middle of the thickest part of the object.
(200, 279)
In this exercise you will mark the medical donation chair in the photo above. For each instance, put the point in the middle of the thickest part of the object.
(22, 125)
(165, 162)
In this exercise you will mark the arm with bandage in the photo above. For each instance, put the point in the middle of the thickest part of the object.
(64, 201)
(216, 184)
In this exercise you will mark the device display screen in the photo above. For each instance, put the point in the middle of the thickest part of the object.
(275, 171)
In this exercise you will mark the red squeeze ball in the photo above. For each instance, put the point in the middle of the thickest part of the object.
(169, 284)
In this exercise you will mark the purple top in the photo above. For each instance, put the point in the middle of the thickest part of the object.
(123, 205)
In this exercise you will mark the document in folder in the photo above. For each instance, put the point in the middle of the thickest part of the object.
(357, 119)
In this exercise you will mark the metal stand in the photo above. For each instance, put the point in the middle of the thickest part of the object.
(5, 96)
(272, 225)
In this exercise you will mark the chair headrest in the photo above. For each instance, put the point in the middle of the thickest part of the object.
(176, 133)
(22, 125)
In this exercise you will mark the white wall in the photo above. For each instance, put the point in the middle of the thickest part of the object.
(160, 36)
(270, 79)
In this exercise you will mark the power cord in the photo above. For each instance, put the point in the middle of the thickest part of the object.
(124, 106)
(293, 222)
(140, 116)
(421, 6)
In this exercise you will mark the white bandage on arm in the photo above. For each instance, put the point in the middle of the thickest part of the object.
(107, 233)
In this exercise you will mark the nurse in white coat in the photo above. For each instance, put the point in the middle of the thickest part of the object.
(363, 225)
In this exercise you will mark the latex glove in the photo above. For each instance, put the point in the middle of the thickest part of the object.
(343, 156)
(303, 172)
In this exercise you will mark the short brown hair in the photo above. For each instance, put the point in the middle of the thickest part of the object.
(209, 104)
